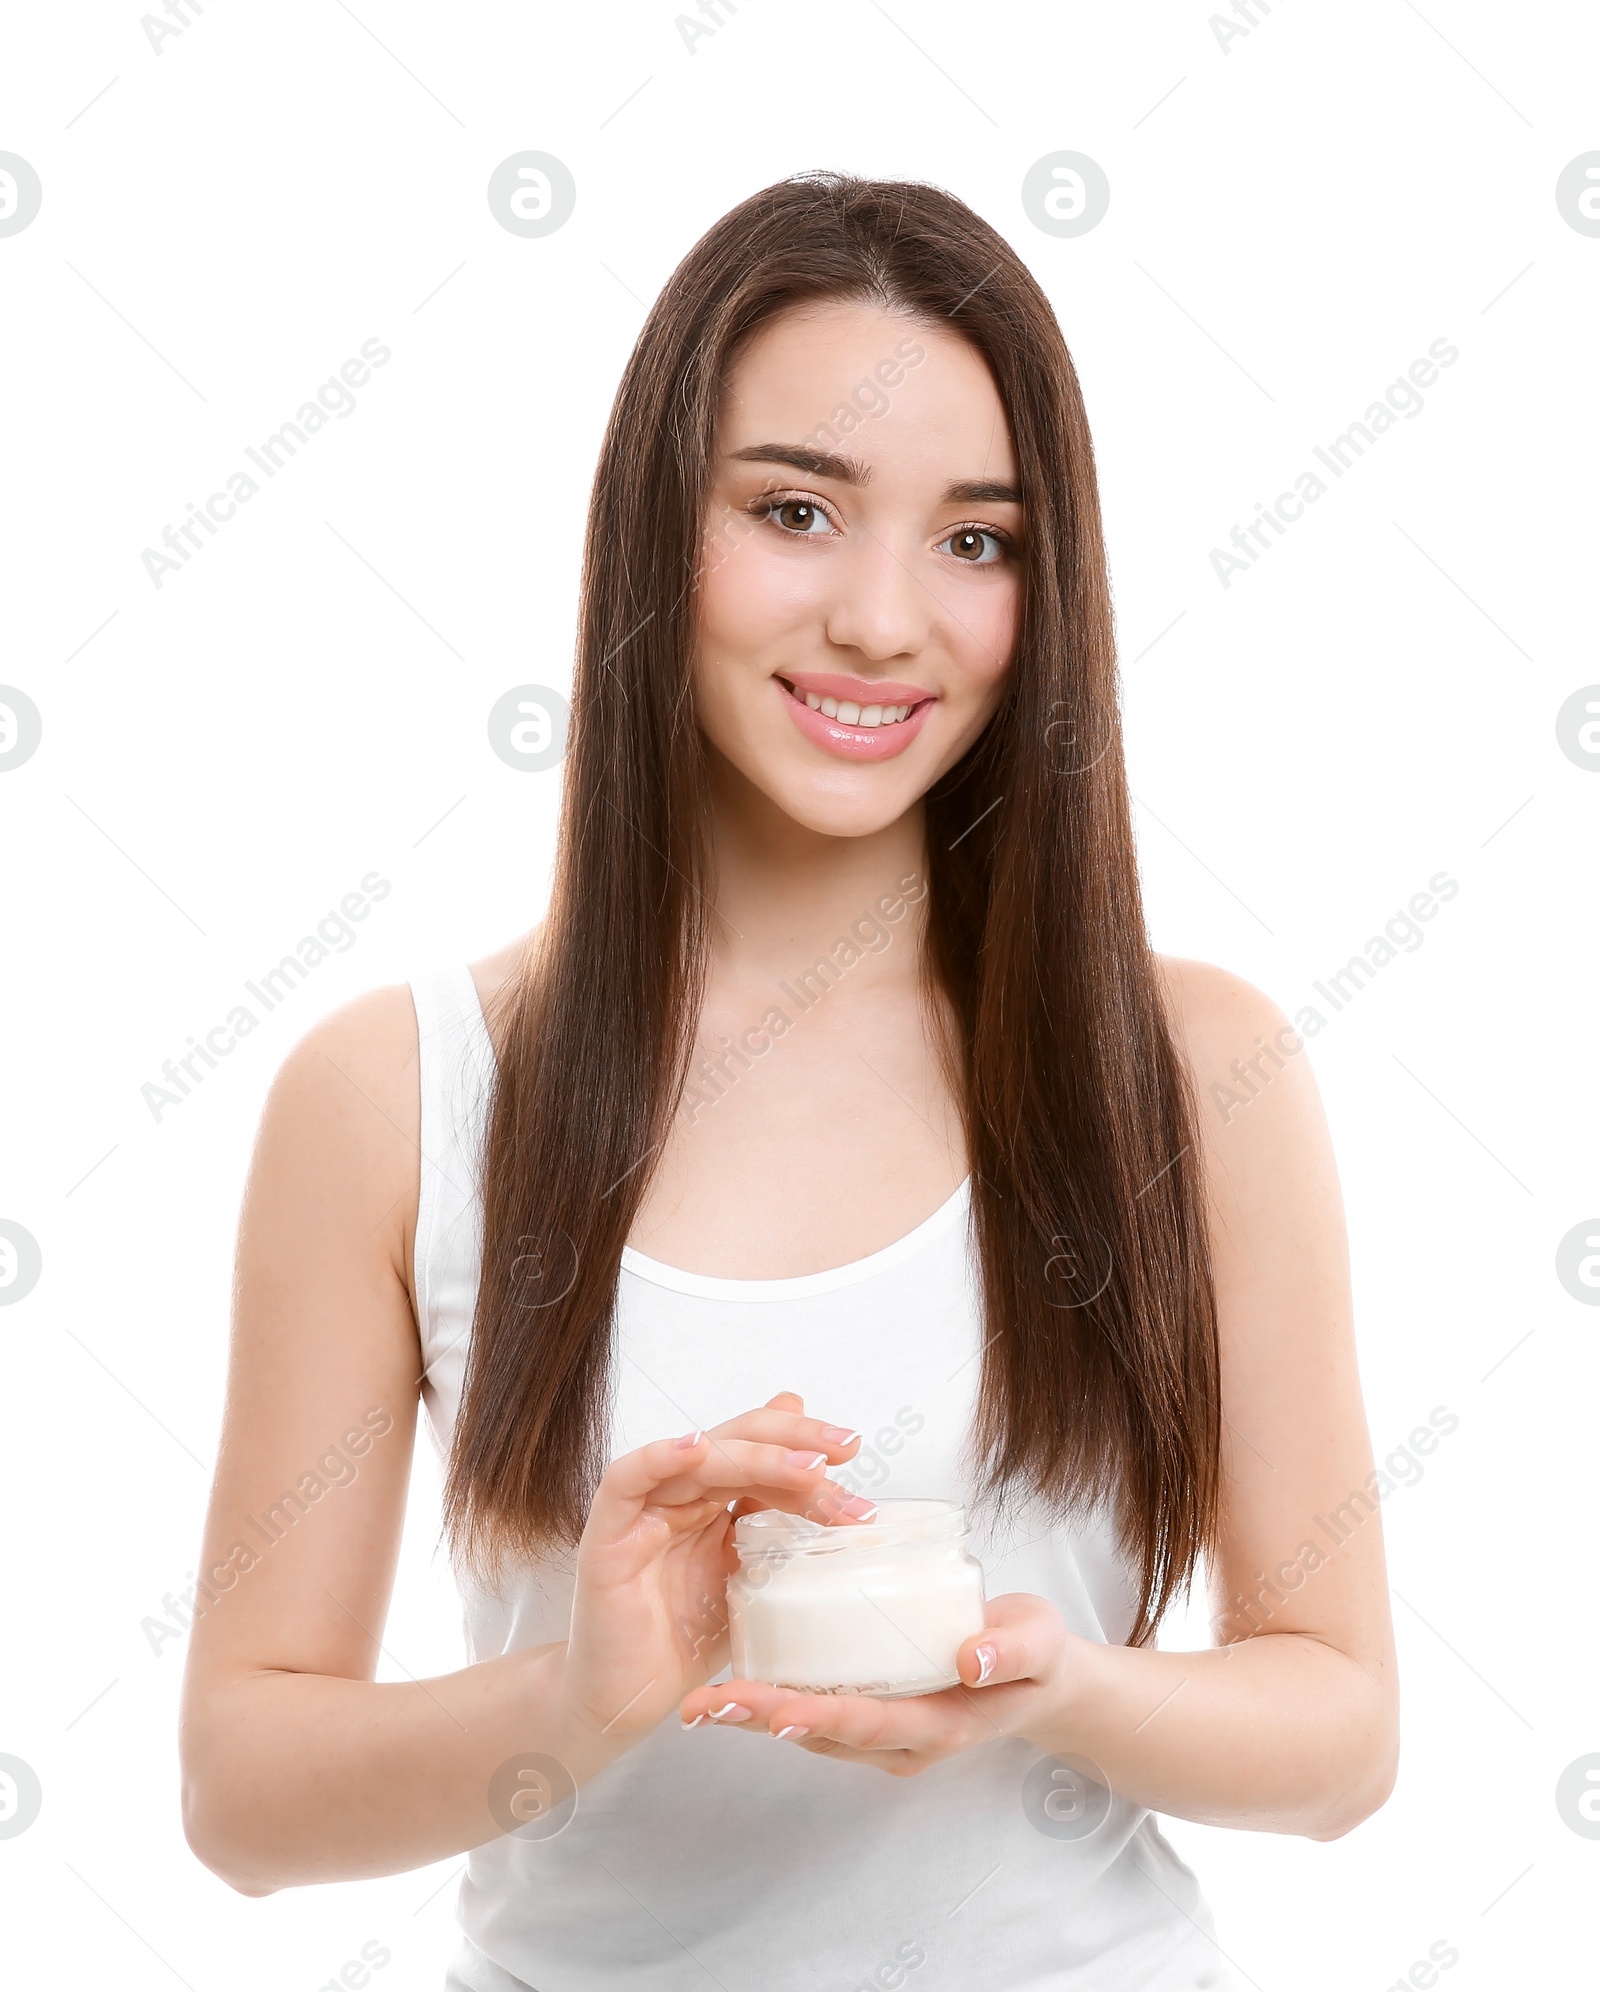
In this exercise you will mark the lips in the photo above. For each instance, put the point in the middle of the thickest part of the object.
(858, 738)
(859, 691)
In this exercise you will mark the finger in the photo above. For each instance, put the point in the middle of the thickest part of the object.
(896, 1736)
(1020, 1642)
(729, 1705)
(831, 1506)
(691, 1468)
(869, 1724)
(779, 1423)
(768, 1468)
(755, 1706)
(827, 1508)
(699, 1707)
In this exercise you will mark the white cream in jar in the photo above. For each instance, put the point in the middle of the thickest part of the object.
(854, 1608)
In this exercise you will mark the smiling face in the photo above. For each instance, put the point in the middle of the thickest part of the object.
(860, 588)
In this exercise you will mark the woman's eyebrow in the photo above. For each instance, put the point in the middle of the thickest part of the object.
(847, 470)
(819, 463)
(981, 492)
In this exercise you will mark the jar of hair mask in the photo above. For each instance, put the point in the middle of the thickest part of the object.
(856, 1608)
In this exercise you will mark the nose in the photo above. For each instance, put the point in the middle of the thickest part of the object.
(878, 606)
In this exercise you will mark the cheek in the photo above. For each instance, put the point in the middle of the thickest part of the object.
(734, 625)
(749, 598)
(987, 635)
(751, 609)
(725, 606)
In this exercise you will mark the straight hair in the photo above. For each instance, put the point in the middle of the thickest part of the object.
(1099, 1374)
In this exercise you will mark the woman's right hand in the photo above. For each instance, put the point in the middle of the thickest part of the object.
(649, 1613)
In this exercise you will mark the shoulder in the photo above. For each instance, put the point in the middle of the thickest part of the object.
(1215, 1015)
(336, 1153)
(1242, 1052)
(366, 1049)
(1261, 1125)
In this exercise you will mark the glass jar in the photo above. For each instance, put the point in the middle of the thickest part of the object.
(854, 1608)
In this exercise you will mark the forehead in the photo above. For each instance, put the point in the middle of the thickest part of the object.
(913, 394)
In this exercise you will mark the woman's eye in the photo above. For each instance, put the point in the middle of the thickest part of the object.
(976, 547)
(798, 515)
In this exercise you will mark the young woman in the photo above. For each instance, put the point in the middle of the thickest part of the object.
(837, 1131)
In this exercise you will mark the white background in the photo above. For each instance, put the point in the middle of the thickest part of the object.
(1292, 222)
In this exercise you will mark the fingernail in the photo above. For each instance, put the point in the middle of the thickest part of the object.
(836, 1435)
(689, 1439)
(807, 1459)
(731, 1712)
(696, 1723)
(986, 1664)
(857, 1505)
(794, 1729)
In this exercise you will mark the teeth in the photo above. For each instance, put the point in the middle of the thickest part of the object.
(853, 714)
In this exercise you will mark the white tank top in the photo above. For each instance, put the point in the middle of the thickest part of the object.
(710, 1858)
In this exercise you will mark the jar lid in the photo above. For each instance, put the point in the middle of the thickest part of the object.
(775, 1531)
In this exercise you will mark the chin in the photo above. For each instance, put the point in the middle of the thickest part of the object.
(840, 816)
(833, 797)
(840, 806)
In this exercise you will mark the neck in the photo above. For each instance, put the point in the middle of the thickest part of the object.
(785, 893)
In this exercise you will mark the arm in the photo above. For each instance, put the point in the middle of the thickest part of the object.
(297, 1766)
(1289, 1723)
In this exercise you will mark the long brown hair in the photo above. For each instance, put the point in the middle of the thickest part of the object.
(1099, 1376)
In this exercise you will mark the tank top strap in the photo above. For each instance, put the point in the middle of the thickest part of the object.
(455, 1074)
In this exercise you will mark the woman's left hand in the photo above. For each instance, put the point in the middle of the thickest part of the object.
(1016, 1675)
